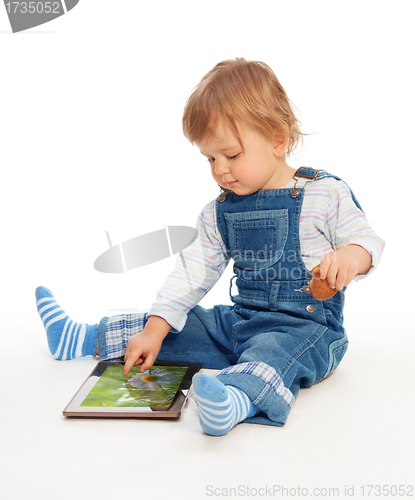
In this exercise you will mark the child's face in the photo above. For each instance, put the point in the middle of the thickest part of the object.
(244, 170)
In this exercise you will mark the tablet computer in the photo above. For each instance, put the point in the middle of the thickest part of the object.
(160, 392)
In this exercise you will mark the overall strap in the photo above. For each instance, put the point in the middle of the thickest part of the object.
(315, 175)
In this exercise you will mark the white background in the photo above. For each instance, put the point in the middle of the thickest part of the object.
(91, 141)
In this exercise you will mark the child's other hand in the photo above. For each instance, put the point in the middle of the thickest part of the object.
(341, 266)
(143, 347)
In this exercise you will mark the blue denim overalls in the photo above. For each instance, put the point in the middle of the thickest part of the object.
(276, 338)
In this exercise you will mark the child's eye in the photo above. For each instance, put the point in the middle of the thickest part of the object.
(212, 160)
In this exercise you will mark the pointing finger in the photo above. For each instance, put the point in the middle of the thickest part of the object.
(131, 360)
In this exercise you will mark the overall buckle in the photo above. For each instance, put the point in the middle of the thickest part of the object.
(300, 175)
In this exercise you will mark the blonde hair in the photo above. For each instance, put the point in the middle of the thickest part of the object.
(245, 91)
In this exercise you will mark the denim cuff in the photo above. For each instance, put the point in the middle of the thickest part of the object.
(273, 409)
(102, 338)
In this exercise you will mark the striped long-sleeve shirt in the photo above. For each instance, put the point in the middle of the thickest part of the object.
(329, 220)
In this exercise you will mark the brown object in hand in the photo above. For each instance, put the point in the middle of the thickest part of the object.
(320, 289)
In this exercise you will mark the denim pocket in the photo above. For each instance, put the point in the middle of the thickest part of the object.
(257, 239)
(337, 350)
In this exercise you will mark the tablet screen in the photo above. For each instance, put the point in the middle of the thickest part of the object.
(153, 388)
(160, 392)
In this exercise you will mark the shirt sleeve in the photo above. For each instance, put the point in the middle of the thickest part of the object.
(198, 268)
(346, 224)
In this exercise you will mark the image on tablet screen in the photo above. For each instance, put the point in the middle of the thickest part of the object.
(154, 388)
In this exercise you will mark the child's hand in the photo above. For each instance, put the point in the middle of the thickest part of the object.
(143, 347)
(342, 266)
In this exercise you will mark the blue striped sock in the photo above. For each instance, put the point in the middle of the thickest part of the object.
(66, 339)
(221, 406)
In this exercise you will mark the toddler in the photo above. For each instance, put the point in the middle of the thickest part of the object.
(276, 224)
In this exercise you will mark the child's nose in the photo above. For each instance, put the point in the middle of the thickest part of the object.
(221, 167)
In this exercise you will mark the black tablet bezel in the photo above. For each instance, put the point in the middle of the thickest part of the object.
(74, 409)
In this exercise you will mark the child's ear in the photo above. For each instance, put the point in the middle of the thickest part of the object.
(280, 144)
